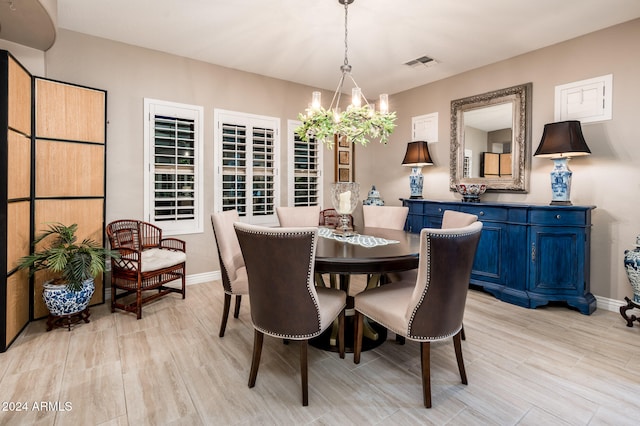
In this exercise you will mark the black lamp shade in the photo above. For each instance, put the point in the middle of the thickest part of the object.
(417, 154)
(562, 139)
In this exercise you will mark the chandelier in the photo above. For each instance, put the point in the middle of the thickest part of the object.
(359, 122)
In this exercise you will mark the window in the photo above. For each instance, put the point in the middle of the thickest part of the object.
(247, 158)
(305, 169)
(173, 174)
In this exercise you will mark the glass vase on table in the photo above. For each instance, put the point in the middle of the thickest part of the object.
(345, 196)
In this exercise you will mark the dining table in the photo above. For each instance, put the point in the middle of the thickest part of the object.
(373, 252)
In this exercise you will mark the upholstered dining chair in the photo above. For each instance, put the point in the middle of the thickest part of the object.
(431, 308)
(234, 272)
(298, 216)
(390, 217)
(284, 301)
(450, 219)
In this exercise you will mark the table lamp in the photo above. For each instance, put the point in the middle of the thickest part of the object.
(561, 141)
(416, 157)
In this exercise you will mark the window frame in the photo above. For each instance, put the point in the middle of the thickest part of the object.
(292, 139)
(156, 107)
(236, 118)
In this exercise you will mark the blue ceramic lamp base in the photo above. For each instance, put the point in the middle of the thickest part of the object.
(560, 182)
(415, 183)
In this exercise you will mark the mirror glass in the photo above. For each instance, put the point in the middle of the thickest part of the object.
(490, 139)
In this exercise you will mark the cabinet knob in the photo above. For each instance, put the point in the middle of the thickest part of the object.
(481, 213)
(439, 209)
(557, 216)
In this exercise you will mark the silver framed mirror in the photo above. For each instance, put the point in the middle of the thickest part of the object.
(491, 139)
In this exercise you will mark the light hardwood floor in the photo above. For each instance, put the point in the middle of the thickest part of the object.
(545, 366)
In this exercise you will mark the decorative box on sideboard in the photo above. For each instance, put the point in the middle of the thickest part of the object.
(528, 255)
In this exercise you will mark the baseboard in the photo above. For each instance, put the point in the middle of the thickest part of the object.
(607, 304)
(191, 279)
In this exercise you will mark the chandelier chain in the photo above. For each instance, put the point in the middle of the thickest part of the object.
(346, 46)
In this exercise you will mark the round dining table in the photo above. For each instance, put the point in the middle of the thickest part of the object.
(344, 258)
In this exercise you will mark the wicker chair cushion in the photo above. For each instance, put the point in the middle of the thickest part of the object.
(156, 258)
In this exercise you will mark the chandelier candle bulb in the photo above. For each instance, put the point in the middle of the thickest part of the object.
(316, 100)
(384, 103)
(356, 97)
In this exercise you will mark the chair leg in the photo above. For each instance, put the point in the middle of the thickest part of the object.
(357, 344)
(462, 335)
(139, 302)
(236, 311)
(425, 356)
(225, 314)
(457, 345)
(341, 334)
(304, 373)
(258, 337)
(184, 283)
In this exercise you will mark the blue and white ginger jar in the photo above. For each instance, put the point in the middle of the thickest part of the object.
(373, 198)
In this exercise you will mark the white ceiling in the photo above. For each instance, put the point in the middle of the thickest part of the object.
(303, 40)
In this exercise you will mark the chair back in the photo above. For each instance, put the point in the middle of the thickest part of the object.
(437, 304)
(390, 217)
(454, 219)
(298, 216)
(133, 234)
(229, 252)
(280, 267)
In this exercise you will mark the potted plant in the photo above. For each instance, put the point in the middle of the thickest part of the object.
(74, 266)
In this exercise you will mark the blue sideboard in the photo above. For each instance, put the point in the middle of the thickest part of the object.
(528, 255)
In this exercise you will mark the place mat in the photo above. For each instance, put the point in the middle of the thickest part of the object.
(361, 240)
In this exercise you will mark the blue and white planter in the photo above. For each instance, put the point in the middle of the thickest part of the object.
(61, 302)
(632, 265)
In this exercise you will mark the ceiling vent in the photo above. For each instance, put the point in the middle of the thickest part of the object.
(421, 61)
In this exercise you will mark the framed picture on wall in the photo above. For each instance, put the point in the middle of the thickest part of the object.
(344, 161)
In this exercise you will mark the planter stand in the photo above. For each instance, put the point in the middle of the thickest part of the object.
(623, 311)
(56, 321)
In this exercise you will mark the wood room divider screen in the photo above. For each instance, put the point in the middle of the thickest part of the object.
(54, 164)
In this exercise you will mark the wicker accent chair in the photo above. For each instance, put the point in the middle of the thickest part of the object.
(285, 303)
(431, 308)
(298, 216)
(147, 262)
(330, 218)
(234, 272)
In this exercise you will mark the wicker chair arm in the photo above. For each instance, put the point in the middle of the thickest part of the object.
(173, 244)
(129, 259)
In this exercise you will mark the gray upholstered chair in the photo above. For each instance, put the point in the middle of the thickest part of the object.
(298, 216)
(390, 217)
(432, 307)
(284, 301)
(234, 273)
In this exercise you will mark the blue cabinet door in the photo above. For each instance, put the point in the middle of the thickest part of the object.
(558, 269)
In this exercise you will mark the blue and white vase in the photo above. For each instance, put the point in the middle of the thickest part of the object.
(373, 198)
(632, 265)
(60, 301)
